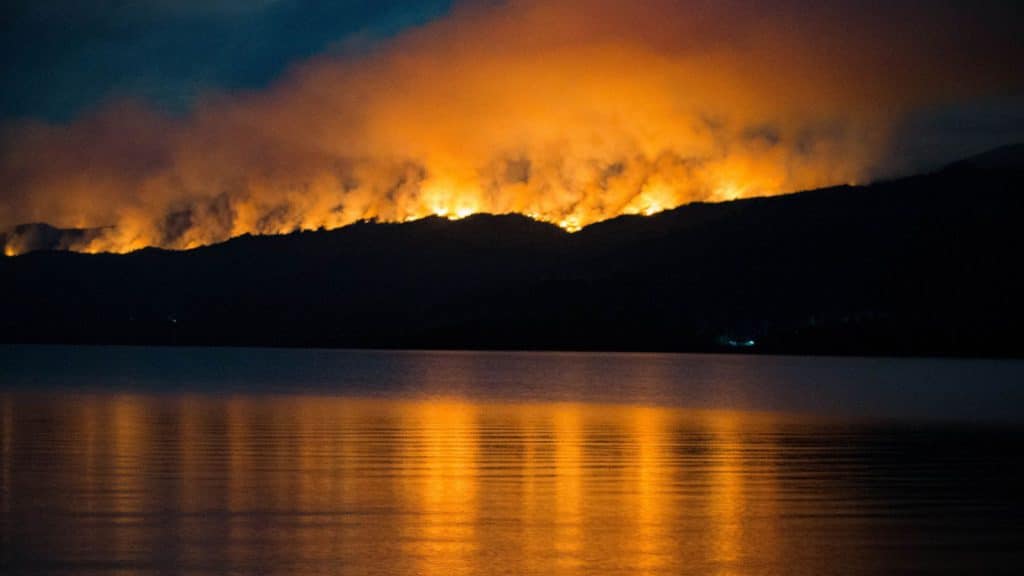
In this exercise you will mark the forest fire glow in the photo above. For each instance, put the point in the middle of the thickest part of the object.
(580, 113)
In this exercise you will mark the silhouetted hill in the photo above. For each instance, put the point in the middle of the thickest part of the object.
(1003, 158)
(922, 265)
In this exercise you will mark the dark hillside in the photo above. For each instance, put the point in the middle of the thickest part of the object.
(922, 265)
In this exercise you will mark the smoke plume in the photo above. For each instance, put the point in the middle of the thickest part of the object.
(568, 111)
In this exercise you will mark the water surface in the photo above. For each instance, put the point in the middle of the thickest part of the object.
(165, 461)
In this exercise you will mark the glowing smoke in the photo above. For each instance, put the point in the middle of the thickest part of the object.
(570, 112)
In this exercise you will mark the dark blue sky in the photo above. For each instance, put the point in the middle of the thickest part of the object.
(63, 56)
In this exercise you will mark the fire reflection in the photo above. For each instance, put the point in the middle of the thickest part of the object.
(653, 481)
(727, 495)
(568, 471)
(302, 484)
(439, 478)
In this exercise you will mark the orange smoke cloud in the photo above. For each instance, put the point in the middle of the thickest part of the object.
(570, 112)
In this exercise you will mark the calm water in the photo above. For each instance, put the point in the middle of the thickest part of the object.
(164, 461)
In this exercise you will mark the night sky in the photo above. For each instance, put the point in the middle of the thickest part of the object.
(180, 123)
(63, 57)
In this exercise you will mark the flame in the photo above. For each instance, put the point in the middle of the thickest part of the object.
(571, 223)
(567, 111)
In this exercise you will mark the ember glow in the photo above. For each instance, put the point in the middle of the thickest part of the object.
(569, 112)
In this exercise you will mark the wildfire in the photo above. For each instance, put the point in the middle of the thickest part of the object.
(132, 234)
(583, 111)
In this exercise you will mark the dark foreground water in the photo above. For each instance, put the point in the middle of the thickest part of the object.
(165, 461)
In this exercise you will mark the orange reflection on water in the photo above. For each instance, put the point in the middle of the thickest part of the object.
(727, 496)
(439, 481)
(653, 478)
(568, 473)
(303, 484)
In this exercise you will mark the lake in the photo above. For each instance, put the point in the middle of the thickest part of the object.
(218, 461)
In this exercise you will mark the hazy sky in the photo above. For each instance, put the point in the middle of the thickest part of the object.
(63, 56)
(185, 122)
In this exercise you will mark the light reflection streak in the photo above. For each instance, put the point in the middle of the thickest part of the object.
(568, 471)
(727, 495)
(442, 486)
(652, 483)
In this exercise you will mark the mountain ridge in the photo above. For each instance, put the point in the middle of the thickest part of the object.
(923, 265)
(41, 236)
